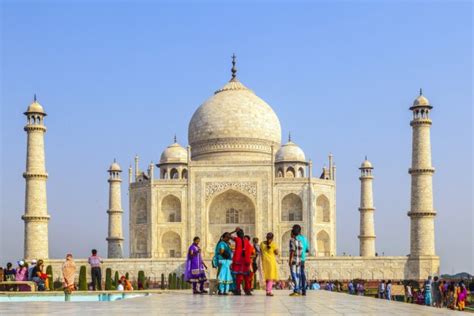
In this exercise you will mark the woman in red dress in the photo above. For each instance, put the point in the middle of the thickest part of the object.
(241, 263)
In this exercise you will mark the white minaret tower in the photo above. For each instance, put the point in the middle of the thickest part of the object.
(366, 209)
(36, 209)
(422, 213)
(115, 238)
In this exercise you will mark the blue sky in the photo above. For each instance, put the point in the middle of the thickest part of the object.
(119, 78)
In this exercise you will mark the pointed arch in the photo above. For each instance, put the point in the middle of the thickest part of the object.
(290, 172)
(184, 174)
(171, 245)
(174, 174)
(170, 209)
(323, 244)
(291, 208)
(323, 213)
(301, 172)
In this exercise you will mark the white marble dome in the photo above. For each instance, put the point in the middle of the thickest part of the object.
(366, 164)
(234, 120)
(115, 167)
(35, 107)
(290, 152)
(174, 153)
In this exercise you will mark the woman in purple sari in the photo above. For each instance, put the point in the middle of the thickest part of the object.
(195, 268)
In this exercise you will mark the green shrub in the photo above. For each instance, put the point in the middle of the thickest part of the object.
(162, 281)
(183, 282)
(49, 271)
(108, 279)
(127, 276)
(82, 279)
(170, 279)
(175, 284)
(141, 279)
(116, 279)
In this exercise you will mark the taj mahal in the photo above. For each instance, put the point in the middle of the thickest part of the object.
(237, 171)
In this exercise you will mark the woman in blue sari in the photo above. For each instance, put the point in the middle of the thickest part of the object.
(223, 260)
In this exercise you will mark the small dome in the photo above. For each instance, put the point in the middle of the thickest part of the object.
(35, 107)
(366, 164)
(115, 167)
(290, 152)
(174, 153)
(421, 100)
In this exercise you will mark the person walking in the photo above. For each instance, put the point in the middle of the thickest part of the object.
(256, 259)
(269, 251)
(96, 272)
(241, 262)
(436, 292)
(428, 293)
(195, 267)
(382, 289)
(222, 261)
(304, 251)
(69, 273)
(295, 262)
(461, 296)
(388, 290)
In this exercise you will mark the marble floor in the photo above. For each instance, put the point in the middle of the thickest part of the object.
(184, 303)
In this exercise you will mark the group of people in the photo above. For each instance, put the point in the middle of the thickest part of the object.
(33, 272)
(238, 259)
(440, 293)
(433, 292)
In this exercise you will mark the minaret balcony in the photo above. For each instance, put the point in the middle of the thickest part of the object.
(423, 121)
(421, 170)
(31, 128)
(40, 175)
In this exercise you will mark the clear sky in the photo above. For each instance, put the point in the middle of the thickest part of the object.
(120, 78)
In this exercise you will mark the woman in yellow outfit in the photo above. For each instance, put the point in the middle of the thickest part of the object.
(269, 263)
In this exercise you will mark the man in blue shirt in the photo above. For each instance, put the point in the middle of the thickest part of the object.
(304, 243)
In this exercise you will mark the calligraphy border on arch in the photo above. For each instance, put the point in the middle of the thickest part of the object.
(249, 187)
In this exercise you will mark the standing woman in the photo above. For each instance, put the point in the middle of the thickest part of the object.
(195, 267)
(241, 263)
(69, 272)
(223, 260)
(269, 251)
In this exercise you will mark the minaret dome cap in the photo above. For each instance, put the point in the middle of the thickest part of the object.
(366, 165)
(35, 107)
(115, 167)
(421, 101)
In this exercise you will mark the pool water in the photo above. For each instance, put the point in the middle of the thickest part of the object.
(102, 297)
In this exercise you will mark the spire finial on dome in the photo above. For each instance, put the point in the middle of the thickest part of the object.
(365, 157)
(34, 97)
(234, 70)
(115, 160)
(175, 138)
(289, 136)
(421, 91)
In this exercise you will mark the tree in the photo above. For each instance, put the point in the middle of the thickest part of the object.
(162, 281)
(49, 271)
(170, 279)
(82, 279)
(141, 280)
(108, 279)
(116, 279)
(183, 282)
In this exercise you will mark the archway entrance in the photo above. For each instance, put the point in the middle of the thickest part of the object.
(229, 210)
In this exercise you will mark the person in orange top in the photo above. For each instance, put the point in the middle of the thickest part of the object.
(241, 263)
(127, 285)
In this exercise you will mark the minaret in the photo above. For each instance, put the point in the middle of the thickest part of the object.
(115, 238)
(422, 214)
(36, 209)
(366, 209)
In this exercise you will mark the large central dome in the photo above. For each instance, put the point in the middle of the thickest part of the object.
(234, 124)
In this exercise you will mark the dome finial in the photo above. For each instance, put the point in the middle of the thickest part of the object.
(421, 91)
(234, 70)
(175, 138)
(365, 157)
(289, 136)
(34, 97)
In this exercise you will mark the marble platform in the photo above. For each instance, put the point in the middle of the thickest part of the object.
(184, 303)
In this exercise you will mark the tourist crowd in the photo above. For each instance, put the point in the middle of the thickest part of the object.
(433, 292)
(35, 272)
(238, 259)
